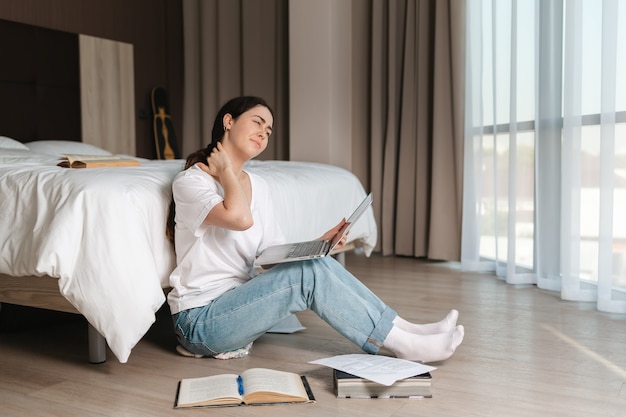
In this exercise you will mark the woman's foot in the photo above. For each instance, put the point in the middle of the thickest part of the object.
(424, 348)
(443, 326)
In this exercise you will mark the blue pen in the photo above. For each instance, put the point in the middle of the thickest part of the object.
(240, 384)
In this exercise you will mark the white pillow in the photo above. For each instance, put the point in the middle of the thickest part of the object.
(8, 143)
(26, 156)
(62, 147)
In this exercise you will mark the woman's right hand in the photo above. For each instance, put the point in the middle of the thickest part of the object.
(217, 161)
(234, 211)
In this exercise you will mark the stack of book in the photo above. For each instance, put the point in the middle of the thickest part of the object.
(350, 386)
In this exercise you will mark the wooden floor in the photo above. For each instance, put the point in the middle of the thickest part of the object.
(525, 353)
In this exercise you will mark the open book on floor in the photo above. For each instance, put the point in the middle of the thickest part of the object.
(253, 386)
(96, 161)
(350, 386)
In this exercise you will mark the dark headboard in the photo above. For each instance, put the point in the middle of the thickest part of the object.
(39, 83)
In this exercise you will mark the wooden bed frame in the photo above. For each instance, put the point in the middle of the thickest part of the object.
(43, 292)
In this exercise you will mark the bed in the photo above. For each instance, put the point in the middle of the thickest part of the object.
(92, 241)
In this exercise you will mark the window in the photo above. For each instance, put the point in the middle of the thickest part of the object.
(545, 163)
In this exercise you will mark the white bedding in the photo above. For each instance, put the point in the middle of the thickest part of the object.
(102, 231)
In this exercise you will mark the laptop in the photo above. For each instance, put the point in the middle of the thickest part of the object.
(291, 252)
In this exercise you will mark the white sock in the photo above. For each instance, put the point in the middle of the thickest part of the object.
(424, 348)
(443, 326)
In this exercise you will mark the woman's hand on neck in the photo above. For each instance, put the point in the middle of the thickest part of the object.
(220, 161)
(234, 211)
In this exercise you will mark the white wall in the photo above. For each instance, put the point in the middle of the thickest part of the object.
(320, 81)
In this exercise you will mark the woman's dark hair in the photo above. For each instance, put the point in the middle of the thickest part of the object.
(235, 107)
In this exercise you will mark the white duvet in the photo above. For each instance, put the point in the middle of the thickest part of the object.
(101, 231)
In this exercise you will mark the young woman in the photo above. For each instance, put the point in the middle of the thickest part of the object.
(224, 219)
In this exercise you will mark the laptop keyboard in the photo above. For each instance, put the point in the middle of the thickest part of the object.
(308, 248)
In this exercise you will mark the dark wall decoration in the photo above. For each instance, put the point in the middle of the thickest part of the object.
(153, 27)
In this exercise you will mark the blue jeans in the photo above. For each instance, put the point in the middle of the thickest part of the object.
(243, 314)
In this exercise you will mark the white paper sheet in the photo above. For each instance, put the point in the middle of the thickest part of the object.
(384, 370)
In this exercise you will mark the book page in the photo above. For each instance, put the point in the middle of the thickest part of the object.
(198, 391)
(268, 380)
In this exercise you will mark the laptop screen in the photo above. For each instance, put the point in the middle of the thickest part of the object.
(351, 220)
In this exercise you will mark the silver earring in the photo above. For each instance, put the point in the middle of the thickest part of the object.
(224, 128)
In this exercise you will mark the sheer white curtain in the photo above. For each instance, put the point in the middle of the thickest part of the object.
(545, 146)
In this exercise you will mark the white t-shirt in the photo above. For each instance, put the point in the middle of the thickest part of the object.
(211, 260)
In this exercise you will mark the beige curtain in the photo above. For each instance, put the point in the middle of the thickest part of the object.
(234, 48)
(416, 132)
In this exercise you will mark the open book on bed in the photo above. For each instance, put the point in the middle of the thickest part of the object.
(96, 161)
